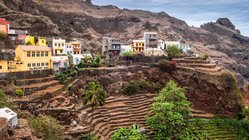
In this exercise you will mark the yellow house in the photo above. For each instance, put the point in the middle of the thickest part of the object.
(30, 40)
(4, 66)
(138, 46)
(33, 58)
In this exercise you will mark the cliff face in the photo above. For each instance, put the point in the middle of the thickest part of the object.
(81, 19)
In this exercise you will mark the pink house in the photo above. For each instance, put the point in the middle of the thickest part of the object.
(4, 25)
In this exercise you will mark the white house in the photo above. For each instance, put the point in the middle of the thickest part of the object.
(161, 44)
(185, 47)
(60, 62)
(10, 115)
(68, 49)
(154, 52)
(126, 48)
(59, 46)
(172, 43)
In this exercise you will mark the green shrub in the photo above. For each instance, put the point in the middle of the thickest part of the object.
(135, 86)
(173, 52)
(47, 127)
(130, 88)
(129, 54)
(205, 57)
(132, 134)
(89, 136)
(62, 77)
(4, 101)
(19, 92)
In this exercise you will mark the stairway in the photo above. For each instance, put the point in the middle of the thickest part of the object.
(119, 112)
(197, 64)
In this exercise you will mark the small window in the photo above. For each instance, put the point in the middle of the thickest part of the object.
(38, 64)
(33, 64)
(55, 44)
(28, 54)
(1, 67)
(46, 53)
(62, 44)
(42, 54)
(46, 64)
(37, 54)
(33, 54)
(61, 51)
(59, 44)
(29, 64)
(42, 64)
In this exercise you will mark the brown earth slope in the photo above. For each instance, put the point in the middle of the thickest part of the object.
(81, 19)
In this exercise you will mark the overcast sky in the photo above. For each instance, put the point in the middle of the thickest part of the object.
(194, 12)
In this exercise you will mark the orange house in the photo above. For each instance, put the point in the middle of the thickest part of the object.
(4, 25)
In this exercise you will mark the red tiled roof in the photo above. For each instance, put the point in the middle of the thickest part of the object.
(4, 21)
(34, 48)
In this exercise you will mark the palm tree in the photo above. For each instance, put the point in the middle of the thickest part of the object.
(94, 96)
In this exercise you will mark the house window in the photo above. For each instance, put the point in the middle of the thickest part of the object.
(33, 54)
(42, 64)
(1, 67)
(61, 51)
(42, 54)
(37, 54)
(62, 44)
(38, 64)
(46, 64)
(46, 53)
(55, 44)
(28, 54)
(33, 64)
(29, 64)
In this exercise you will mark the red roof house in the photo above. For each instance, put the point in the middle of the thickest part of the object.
(4, 25)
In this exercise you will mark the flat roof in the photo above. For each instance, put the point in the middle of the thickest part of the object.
(34, 48)
(150, 33)
(7, 113)
(138, 40)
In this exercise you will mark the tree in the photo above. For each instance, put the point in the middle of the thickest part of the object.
(123, 134)
(36, 40)
(3, 35)
(4, 102)
(47, 127)
(169, 112)
(29, 43)
(94, 96)
(173, 51)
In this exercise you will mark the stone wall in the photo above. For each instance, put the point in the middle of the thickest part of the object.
(26, 74)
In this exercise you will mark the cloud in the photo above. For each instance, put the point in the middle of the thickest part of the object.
(194, 12)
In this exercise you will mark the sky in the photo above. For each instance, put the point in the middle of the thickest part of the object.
(194, 12)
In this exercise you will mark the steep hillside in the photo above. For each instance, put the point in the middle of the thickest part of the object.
(81, 19)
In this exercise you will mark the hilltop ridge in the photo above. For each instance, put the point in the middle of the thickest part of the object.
(88, 22)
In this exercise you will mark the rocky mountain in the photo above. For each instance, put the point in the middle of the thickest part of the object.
(81, 19)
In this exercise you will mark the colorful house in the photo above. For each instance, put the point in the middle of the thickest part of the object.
(76, 46)
(33, 58)
(60, 62)
(4, 25)
(30, 40)
(111, 46)
(138, 46)
(59, 47)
